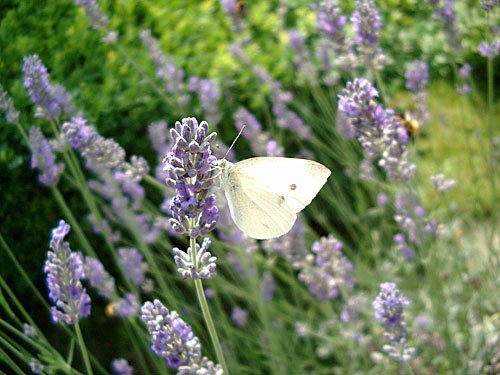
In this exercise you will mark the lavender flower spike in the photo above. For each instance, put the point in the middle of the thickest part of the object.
(171, 337)
(441, 183)
(53, 100)
(389, 306)
(65, 271)
(98, 278)
(7, 105)
(417, 76)
(97, 18)
(120, 366)
(366, 25)
(43, 158)
(191, 168)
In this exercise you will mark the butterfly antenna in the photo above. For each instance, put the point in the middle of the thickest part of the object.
(232, 144)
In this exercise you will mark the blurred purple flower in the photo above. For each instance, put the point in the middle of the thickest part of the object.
(98, 278)
(52, 100)
(120, 366)
(43, 158)
(489, 50)
(239, 317)
(328, 270)
(441, 183)
(7, 105)
(98, 19)
(417, 76)
(64, 270)
(133, 265)
(389, 306)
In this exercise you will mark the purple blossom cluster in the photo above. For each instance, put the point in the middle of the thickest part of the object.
(239, 317)
(302, 57)
(234, 9)
(174, 340)
(98, 152)
(204, 266)
(52, 100)
(191, 168)
(120, 366)
(124, 307)
(328, 270)
(65, 270)
(98, 20)
(378, 130)
(464, 73)
(171, 76)
(43, 158)
(417, 78)
(99, 278)
(489, 50)
(446, 15)
(389, 308)
(7, 106)
(209, 93)
(161, 143)
(260, 141)
(412, 218)
(267, 286)
(134, 267)
(36, 366)
(366, 24)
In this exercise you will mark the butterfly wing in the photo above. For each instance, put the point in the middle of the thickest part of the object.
(258, 212)
(264, 194)
(297, 180)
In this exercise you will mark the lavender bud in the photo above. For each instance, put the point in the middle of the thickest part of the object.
(7, 105)
(120, 366)
(205, 266)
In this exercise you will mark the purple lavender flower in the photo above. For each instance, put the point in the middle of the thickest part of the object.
(464, 73)
(382, 200)
(120, 366)
(209, 92)
(43, 158)
(260, 141)
(7, 105)
(98, 278)
(133, 265)
(353, 305)
(171, 337)
(172, 77)
(239, 316)
(330, 22)
(65, 271)
(446, 15)
(53, 100)
(125, 307)
(389, 306)
(366, 24)
(302, 57)
(191, 168)
(98, 152)
(441, 183)
(205, 367)
(417, 76)
(411, 217)
(229, 6)
(402, 247)
(328, 270)
(489, 50)
(378, 130)
(98, 20)
(205, 266)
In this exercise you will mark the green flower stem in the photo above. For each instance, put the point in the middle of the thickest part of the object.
(206, 311)
(74, 223)
(83, 349)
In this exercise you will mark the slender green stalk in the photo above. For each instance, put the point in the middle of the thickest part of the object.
(83, 349)
(202, 300)
(74, 223)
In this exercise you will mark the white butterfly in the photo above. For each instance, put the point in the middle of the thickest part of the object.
(264, 194)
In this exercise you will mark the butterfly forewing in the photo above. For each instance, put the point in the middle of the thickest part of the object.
(297, 180)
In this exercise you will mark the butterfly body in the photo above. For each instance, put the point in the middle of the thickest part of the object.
(265, 194)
